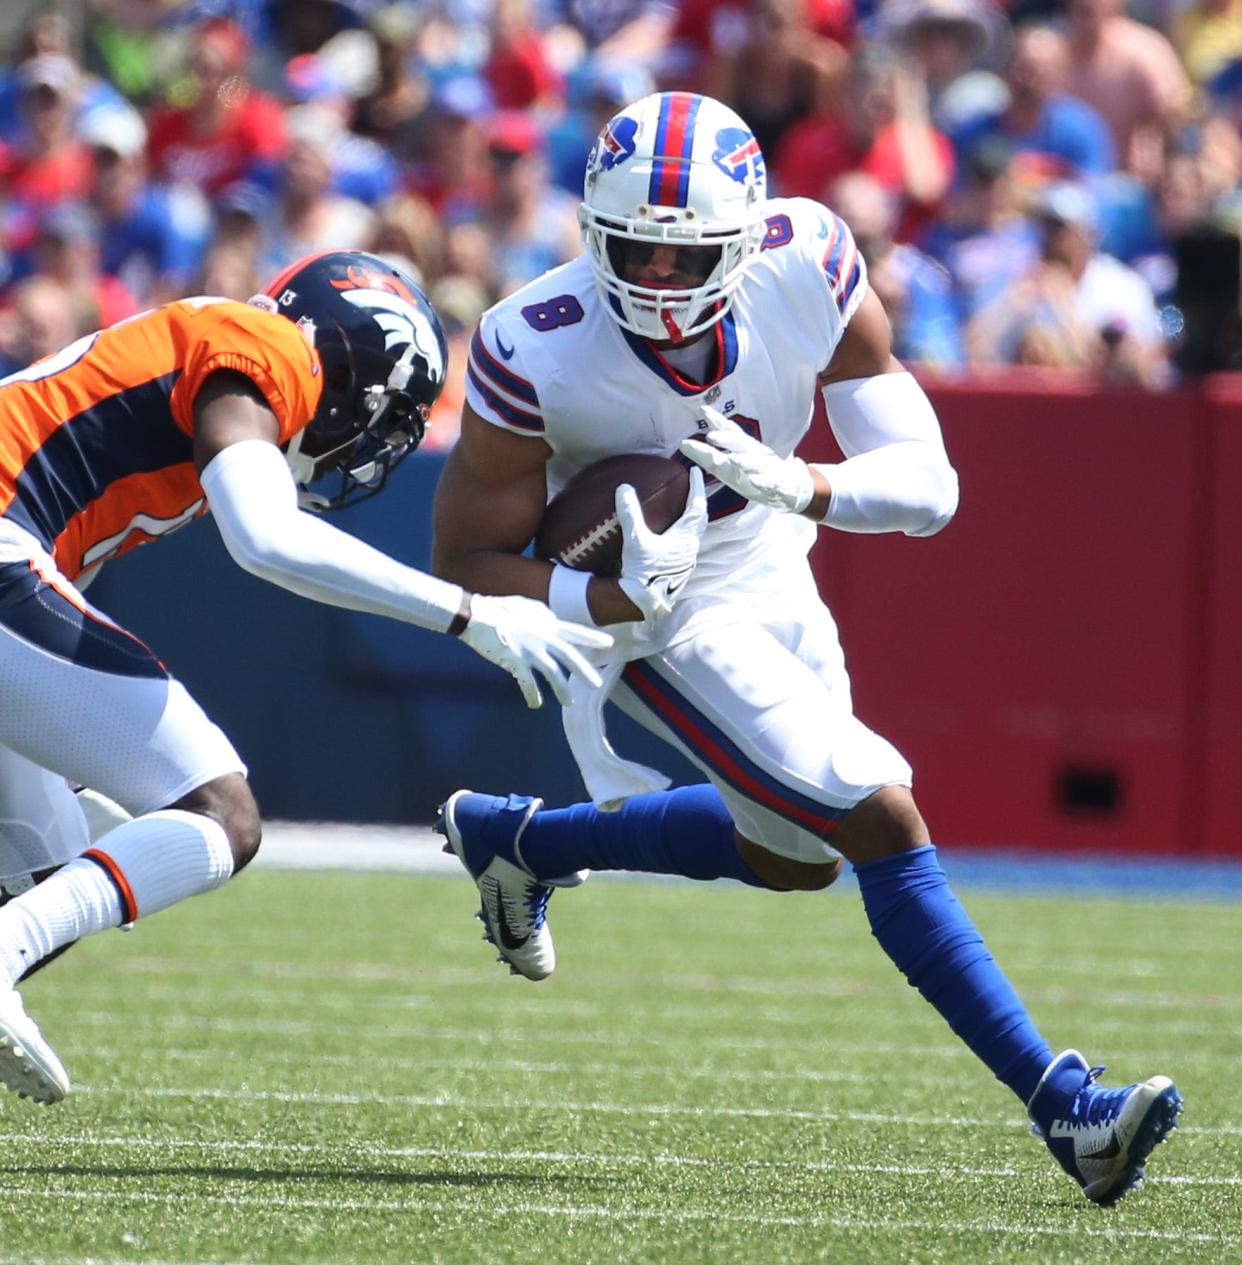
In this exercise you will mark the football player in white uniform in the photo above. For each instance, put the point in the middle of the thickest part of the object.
(702, 319)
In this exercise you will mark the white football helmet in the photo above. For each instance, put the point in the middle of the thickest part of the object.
(679, 169)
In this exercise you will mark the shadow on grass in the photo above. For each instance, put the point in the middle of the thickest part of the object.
(105, 1172)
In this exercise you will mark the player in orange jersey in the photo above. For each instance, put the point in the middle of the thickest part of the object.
(122, 437)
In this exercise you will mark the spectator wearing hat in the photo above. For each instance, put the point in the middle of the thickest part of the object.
(632, 30)
(153, 236)
(231, 263)
(1053, 135)
(47, 33)
(230, 131)
(50, 163)
(1130, 73)
(954, 43)
(1076, 306)
(532, 226)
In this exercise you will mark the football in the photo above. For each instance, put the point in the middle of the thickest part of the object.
(580, 527)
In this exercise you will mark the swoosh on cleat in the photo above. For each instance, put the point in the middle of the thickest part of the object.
(507, 939)
(1109, 1152)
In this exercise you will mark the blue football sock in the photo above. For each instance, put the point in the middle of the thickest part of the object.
(687, 831)
(922, 927)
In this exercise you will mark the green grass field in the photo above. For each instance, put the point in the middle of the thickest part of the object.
(313, 1068)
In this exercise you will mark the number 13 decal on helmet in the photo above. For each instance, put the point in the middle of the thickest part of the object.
(678, 170)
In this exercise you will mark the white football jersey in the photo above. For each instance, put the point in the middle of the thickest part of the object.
(550, 361)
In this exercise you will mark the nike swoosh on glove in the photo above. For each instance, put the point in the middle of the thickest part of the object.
(748, 466)
(656, 565)
(524, 637)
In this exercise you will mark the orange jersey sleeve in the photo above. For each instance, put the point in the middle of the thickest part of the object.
(267, 348)
(96, 441)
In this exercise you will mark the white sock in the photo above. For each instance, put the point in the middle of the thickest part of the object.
(134, 871)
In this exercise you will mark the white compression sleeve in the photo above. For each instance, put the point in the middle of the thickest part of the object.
(254, 501)
(896, 476)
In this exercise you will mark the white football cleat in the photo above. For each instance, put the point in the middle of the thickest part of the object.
(28, 1065)
(514, 905)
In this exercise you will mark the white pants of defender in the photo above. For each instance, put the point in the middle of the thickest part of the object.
(140, 740)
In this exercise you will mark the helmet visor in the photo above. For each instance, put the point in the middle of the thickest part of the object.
(641, 261)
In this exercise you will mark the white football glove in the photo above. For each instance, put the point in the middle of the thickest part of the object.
(524, 637)
(656, 565)
(750, 467)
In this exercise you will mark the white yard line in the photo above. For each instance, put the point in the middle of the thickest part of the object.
(576, 1212)
(545, 1033)
(469, 1066)
(700, 987)
(453, 1102)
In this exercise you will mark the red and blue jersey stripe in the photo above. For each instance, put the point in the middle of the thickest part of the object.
(674, 143)
(724, 757)
(842, 263)
(511, 397)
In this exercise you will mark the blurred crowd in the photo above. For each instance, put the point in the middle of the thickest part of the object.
(1051, 182)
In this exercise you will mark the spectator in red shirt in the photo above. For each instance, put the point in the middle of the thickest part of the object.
(706, 29)
(231, 131)
(51, 164)
(882, 130)
(518, 71)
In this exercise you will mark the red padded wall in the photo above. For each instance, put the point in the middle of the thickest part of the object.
(1214, 787)
(1044, 634)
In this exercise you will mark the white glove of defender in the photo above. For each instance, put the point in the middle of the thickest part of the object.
(524, 637)
(750, 467)
(656, 565)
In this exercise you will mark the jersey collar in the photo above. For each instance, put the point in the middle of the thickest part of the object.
(725, 332)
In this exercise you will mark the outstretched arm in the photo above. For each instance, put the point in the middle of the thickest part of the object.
(255, 505)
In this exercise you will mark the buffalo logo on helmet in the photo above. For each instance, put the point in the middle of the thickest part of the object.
(737, 154)
(615, 143)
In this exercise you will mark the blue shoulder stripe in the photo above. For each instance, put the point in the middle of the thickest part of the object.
(514, 416)
(504, 378)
